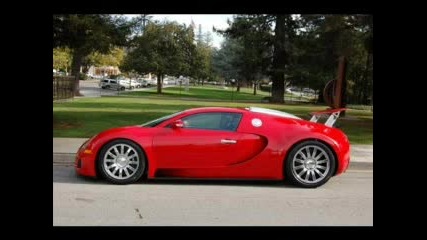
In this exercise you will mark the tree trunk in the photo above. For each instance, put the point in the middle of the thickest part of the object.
(159, 83)
(372, 87)
(365, 80)
(278, 89)
(238, 87)
(75, 70)
(279, 61)
(255, 85)
(320, 97)
(359, 95)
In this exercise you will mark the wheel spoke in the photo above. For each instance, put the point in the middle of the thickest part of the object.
(307, 175)
(303, 155)
(318, 172)
(112, 165)
(299, 167)
(126, 171)
(321, 161)
(299, 160)
(134, 162)
(121, 173)
(307, 150)
(127, 152)
(130, 157)
(302, 172)
(115, 170)
(321, 167)
(314, 175)
(131, 168)
(111, 154)
(317, 158)
(313, 155)
(117, 151)
(109, 160)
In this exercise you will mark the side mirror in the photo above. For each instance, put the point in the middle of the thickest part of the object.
(177, 124)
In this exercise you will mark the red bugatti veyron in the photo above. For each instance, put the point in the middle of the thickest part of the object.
(220, 143)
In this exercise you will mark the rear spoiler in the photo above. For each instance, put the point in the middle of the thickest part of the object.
(334, 114)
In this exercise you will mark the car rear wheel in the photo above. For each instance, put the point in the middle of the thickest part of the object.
(121, 161)
(310, 164)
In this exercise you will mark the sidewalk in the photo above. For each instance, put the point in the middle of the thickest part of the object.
(67, 145)
(64, 150)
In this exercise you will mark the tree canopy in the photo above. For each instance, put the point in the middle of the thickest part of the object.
(84, 34)
(164, 48)
(303, 50)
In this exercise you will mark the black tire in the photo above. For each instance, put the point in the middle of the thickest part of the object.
(319, 170)
(103, 87)
(122, 88)
(123, 164)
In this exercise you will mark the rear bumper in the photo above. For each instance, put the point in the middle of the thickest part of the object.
(343, 158)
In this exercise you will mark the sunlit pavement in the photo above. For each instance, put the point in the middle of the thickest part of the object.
(345, 200)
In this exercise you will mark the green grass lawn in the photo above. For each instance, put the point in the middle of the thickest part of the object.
(205, 92)
(85, 117)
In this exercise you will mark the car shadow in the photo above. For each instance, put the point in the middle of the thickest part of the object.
(66, 174)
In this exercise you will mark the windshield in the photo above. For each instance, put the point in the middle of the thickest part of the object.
(157, 121)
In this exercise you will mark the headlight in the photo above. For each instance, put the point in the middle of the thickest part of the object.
(86, 143)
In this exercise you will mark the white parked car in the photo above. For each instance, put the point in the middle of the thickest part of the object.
(130, 84)
(135, 83)
(143, 82)
(112, 84)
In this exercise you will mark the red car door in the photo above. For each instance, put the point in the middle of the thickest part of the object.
(206, 141)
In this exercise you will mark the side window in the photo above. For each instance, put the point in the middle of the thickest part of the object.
(113, 82)
(213, 121)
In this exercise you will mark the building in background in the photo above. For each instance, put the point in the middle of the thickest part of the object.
(103, 71)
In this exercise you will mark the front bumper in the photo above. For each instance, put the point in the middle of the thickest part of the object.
(85, 163)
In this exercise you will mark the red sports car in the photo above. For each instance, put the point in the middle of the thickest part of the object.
(220, 143)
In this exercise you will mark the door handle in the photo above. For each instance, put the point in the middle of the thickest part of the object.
(228, 141)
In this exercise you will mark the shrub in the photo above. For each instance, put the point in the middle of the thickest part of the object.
(82, 76)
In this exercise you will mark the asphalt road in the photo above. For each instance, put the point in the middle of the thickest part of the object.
(346, 200)
(90, 88)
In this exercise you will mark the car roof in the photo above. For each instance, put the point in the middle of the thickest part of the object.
(265, 111)
(214, 109)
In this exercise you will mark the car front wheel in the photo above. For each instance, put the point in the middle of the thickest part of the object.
(310, 164)
(121, 161)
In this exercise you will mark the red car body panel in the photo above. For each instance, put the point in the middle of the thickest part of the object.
(259, 152)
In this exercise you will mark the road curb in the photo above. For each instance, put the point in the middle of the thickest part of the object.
(361, 166)
(63, 158)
